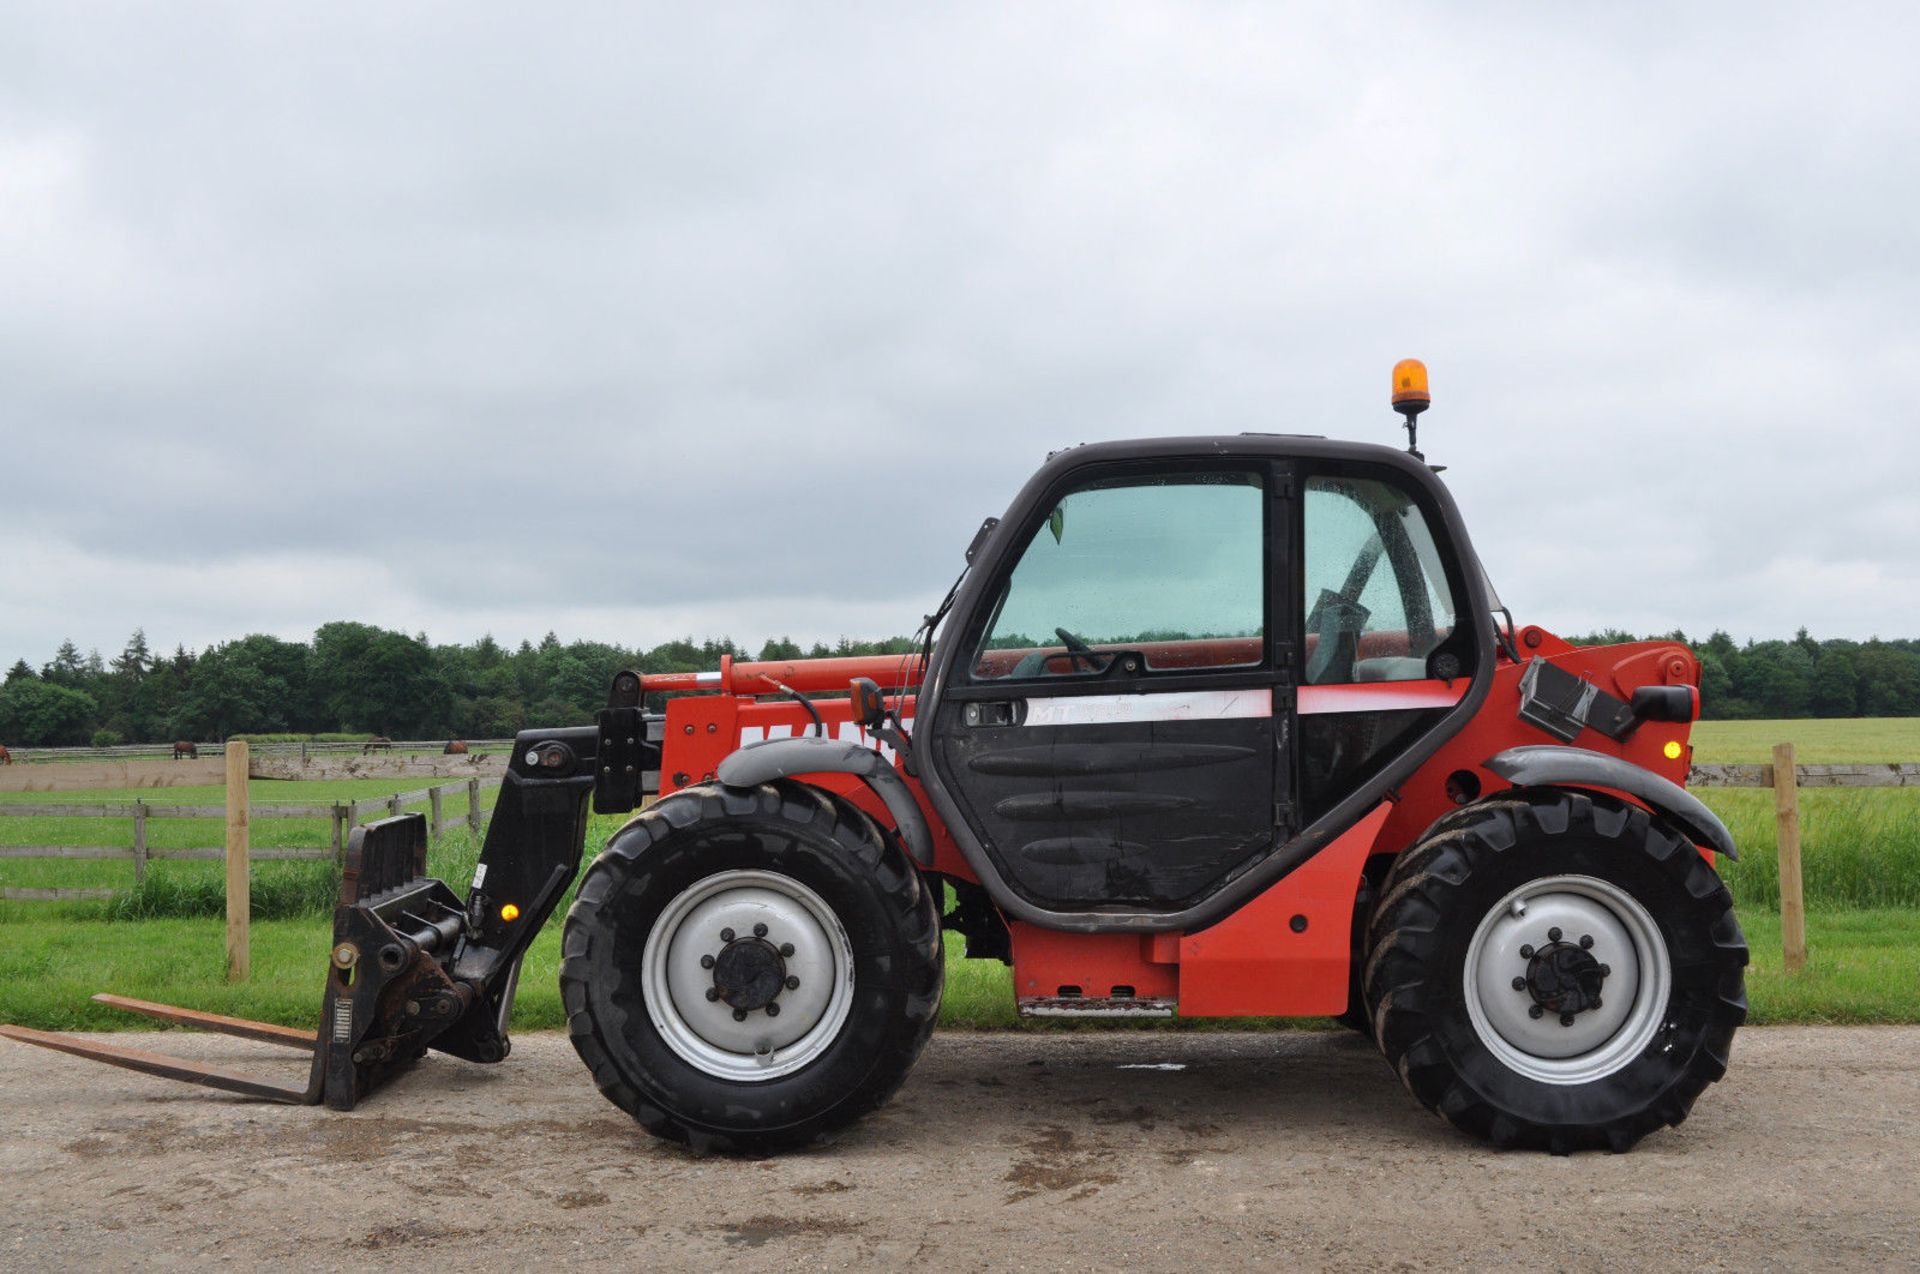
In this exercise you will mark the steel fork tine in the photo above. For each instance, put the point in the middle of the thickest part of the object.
(265, 1032)
(160, 1064)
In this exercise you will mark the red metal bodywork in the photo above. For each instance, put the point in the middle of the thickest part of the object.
(1260, 960)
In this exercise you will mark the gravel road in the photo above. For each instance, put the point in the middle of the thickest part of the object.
(1005, 1151)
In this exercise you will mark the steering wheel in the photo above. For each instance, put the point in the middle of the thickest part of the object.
(1077, 650)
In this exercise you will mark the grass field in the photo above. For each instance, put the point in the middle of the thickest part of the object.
(1862, 873)
(1839, 742)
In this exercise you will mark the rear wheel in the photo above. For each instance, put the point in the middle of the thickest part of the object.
(748, 970)
(1556, 970)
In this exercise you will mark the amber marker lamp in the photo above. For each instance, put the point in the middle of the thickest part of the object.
(1410, 397)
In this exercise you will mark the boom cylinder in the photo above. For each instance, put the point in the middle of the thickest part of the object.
(808, 675)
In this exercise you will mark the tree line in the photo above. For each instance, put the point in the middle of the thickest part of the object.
(358, 679)
(350, 678)
(1801, 677)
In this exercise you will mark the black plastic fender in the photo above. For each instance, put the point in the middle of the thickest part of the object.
(1546, 765)
(784, 758)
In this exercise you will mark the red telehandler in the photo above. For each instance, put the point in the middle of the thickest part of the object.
(1208, 726)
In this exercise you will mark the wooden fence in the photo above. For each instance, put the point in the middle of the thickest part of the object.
(1782, 775)
(342, 816)
(1786, 779)
(1888, 774)
(299, 748)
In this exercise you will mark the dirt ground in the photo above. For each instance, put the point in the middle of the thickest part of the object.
(1013, 1151)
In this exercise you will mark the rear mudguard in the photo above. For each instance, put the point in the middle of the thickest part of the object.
(784, 758)
(1545, 765)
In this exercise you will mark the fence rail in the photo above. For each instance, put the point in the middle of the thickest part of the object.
(164, 751)
(1887, 774)
(343, 816)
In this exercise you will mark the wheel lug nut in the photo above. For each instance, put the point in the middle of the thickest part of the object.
(1566, 1019)
(1535, 1011)
(1519, 984)
(713, 993)
(1553, 935)
(739, 1015)
(1586, 942)
(706, 962)
(773, 1010)
(759, 931)
(786, 948)
(1606, 970)
(793, 983)
(726, 935)
(1526, 952)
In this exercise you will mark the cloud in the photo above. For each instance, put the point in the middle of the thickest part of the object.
(648, 323)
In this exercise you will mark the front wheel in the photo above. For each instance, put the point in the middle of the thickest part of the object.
(747, 970)
(1556, 970)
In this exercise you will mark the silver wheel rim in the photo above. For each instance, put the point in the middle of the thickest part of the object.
(1633, 1001)
(703, 1032)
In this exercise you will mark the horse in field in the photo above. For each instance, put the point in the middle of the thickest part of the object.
(455, 747)
(6, 757)
(378, 743)
(186, 748)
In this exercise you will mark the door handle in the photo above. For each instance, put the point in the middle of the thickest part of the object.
(981, 714)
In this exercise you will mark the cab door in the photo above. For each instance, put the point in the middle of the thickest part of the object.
(1116, 736)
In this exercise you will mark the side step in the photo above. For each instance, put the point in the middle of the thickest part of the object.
(1096, 1006)
(387, 994)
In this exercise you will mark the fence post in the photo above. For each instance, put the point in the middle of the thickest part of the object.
(393, 805)
(239, 879)
(433, 821)
(473, 807)
(1786, 813)
(339, 835)
(139, 842)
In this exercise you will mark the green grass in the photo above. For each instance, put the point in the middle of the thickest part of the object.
(1864, 968)
(1860, 847)
(1829, 742)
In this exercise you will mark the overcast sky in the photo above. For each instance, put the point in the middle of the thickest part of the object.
(736, 320)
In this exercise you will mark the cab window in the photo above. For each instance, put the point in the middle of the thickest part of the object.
(1377, 602)
(1166, 569)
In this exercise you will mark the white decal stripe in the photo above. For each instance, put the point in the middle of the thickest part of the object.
(846, 731)
(1379, 696)
(1211, 705)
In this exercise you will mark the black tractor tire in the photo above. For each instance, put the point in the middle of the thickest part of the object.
(1373, 881)
(1435, 902)
(800, 833)
(1373, 876)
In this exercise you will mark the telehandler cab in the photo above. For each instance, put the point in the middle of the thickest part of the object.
(1208, 726)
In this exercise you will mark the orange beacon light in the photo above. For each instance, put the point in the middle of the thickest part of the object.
(1410, 396)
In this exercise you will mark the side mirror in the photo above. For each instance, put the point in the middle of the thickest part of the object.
(869, 705)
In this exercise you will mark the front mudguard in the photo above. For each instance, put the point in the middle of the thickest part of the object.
(784, 758)
(1546, 765)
